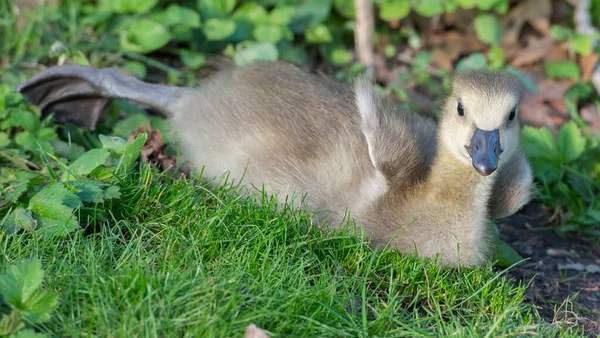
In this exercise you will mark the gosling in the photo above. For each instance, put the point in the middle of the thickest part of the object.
(342, 149)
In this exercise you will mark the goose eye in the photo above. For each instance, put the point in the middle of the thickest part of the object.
(460, 109)
(512, 114)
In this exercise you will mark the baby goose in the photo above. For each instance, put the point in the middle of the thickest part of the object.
(288, 132)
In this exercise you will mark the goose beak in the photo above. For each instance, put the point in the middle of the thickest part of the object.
(485, 151)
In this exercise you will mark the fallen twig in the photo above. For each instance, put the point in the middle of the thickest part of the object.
(363, 35)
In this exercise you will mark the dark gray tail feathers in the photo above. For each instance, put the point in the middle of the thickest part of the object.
(81, 94)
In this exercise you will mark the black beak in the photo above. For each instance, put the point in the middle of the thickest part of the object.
(485, 151)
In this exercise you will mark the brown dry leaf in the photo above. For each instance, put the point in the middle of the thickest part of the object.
(153, 149)
(460, 18)
(448, 51)
(473, 44)
(588, 64)
(589, 114)
(559, 105)
(535, 51)
(444, 58)
(254, 332)
(535, 12)
(557, 52)
(541, 25)
(536, 113)
(394, 24)
(558, 119)
(550, 90)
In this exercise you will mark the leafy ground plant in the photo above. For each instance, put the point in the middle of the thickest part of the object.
(44, 179)
(23, 302)
(568, 171)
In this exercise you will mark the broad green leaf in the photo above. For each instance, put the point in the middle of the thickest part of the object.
(251, 12)
(560, 32)
(13, 99)
(127, 6)
(135, 68)
(252, 52)
(191, 59)
(20, 184)
(143, 36)
(496, 57)
(473, 61)
(216, 8)
(341, 56)
(132, 152)
(85, 164)
(93, 191)
(78, 57)
(39, 306)
(571, 143)
(389, 51)
(579, 91)
(294, 53)
(28, 141)
(501, 7)
(538, 142)
(22, 118)
(580, 185)
(87, 190)
(391, 10)
(218, 29)
(182, 34)
(11, 322)
(47, 134)
(310, 13)
(422, 59)
(450, 6)
(268, 33)
(281, 15)
(506, 255)
(53, 208)
(336, 54)
(4, 140)
(486, 5)
(547, 170)
(467, 4)
(345, 8)
(114, 143)
(24, 220)
(128, 126)
(6, 89)
(429, 8)
(112, 192)
(318, 34)
(582, 43)
(20, 281)
(488, 29)
(183, 16)
(562, 70)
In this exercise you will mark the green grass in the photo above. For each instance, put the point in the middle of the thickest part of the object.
(179, 259)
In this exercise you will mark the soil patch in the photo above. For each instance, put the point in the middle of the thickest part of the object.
(562, 271)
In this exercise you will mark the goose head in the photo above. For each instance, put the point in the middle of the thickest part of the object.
(480, 119)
